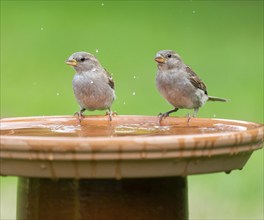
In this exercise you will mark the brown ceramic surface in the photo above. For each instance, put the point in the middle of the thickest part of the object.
(127, 147)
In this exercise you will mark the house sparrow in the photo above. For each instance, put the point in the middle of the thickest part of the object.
(92, 85)
(179, 85)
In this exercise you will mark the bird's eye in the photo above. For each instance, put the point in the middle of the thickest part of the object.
(82, 59)
(169, 55)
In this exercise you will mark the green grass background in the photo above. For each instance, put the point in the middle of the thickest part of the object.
(221, 40)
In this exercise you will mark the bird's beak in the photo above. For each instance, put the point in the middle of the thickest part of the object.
(160, 59)
(72, 62)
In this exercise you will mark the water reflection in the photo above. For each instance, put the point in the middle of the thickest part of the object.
(98, 128)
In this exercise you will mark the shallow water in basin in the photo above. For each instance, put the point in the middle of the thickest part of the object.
(92, 129)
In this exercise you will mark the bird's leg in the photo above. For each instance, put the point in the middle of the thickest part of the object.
(166, 114)
(188, 119)
(110, 114)
(194, 115)
(195, 112)
(80, 115)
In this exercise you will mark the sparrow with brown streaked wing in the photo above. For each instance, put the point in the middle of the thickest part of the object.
(179, 85)
(92, 85)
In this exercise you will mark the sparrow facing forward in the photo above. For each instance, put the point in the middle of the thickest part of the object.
(92, 85)
(179, 85)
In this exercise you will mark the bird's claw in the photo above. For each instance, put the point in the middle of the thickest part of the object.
(162, 116)
(79, 116)
(188, 116)
(111, 114)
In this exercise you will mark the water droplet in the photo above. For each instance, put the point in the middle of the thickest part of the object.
(134, 93)
(41, 28)
(193, 12)
(97, 50)
(57, 93)
(102, 4)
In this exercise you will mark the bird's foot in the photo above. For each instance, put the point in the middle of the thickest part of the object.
(79, 116)
(162, 116)
(166, 114)
(110, 114)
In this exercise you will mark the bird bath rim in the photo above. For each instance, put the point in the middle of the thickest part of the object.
(128, 156)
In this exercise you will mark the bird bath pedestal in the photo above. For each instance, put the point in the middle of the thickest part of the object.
(130, 168)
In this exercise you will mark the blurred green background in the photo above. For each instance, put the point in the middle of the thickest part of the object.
(221, 40)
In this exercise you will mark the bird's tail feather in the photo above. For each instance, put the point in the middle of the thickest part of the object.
(212, 98)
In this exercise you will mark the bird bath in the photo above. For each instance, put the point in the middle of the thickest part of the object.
(130, 168)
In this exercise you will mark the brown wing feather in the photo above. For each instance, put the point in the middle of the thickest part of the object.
(111, 82)
(195, 80)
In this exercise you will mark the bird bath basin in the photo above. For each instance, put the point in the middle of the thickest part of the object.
(130, 168)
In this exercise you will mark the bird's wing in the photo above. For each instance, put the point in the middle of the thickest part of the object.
(195, 80)
(111, 82)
